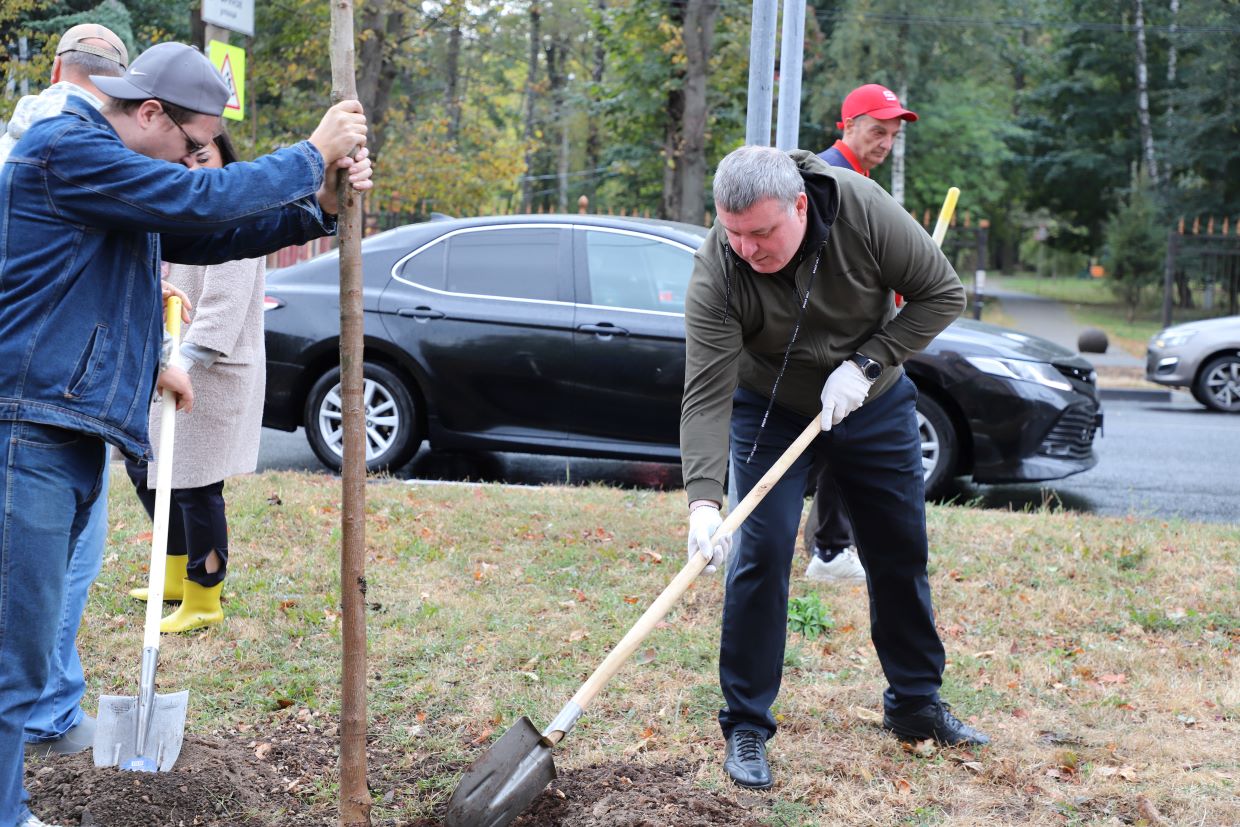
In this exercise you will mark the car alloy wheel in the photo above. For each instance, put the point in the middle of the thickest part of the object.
(1218, 384)
(391, 420)
(938, 445)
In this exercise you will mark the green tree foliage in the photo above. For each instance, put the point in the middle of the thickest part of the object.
(1135, 244)
(1029, 107)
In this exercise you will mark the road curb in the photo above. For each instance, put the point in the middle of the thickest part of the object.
(1134, 394)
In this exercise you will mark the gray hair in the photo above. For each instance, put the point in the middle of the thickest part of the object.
(754, 173)
(85, 64)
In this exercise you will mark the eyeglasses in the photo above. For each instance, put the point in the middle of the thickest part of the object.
(191, 146)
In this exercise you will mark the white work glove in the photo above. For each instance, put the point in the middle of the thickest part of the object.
(704, 521)
(844, 392)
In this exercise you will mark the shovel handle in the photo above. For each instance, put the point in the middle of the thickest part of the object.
(163, 488)
(672, 593)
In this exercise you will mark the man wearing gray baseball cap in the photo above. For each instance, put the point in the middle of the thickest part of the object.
(90, 202)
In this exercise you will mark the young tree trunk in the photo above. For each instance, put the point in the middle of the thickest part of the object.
(451, 94)
(354, 793)
(1143, 97)
(531, 90)
(699, 34)
(382, 23)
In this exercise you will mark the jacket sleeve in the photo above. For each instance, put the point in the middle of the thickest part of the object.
(910, 263)
(223, 306)
(712, 354)
(264, 233)
(96, 181)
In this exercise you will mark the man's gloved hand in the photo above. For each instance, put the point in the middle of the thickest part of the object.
(844, 392)
(704, 520)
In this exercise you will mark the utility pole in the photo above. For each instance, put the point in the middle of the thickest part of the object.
(791, 58)
(761, 73)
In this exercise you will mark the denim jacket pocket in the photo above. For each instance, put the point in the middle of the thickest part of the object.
(87, 363)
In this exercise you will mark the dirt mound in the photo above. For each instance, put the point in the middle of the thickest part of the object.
(269, 777)
(213, 784)
(633, 795)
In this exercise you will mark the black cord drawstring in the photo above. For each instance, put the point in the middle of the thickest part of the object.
(787, 352)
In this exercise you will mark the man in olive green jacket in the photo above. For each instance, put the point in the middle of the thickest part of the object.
(790, 312)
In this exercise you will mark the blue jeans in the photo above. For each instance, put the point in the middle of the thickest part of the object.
(875, 457)
(59, 709)
(49, 479)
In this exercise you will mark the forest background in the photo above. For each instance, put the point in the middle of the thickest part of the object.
(1082, 130)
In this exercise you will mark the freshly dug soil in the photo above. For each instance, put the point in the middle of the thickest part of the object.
(264, 779)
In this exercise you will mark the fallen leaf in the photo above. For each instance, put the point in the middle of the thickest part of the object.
(577, 634)
(1149, 812)
(868, 715)
(631, 598)
(903, 787)
(1116, 678)
(486, 733)
(924, 749)
(643, 657)
(973, 766)
(262, 751)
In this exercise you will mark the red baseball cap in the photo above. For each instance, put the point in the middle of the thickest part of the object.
(878, 102)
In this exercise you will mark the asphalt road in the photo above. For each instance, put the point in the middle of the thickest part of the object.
(1156, 459)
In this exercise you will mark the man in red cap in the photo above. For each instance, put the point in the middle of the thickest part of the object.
(872, 117)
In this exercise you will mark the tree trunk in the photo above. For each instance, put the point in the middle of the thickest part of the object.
(557, 56)
(451, 93)
(354, 792)
(531, 90)
(897, 153)
(594, 141)
(699, 34)
(1143, 98)
(674, 114)
(382, 25)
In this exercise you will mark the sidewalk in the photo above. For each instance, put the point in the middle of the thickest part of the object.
(1052, 320)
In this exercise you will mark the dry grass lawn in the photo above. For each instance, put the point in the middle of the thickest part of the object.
(1100, 654)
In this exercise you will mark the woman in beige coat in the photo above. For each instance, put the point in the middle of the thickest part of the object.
(224, 351)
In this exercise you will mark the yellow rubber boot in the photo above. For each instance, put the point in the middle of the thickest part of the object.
(199, 607)
(174, 576)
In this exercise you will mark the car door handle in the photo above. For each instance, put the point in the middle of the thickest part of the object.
(420, 314)
(605, 330)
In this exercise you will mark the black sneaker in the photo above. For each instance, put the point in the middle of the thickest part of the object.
(934, 721)
(746, 762)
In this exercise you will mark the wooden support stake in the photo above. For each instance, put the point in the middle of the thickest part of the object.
(354, 794)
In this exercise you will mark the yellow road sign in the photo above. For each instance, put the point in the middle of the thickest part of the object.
(230, 60)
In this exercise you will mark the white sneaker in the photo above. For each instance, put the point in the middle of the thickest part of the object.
(33, 821)
(844, 567)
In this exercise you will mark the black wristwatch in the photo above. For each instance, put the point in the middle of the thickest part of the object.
(870, 369)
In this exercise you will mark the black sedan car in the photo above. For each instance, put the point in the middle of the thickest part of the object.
(565, 335)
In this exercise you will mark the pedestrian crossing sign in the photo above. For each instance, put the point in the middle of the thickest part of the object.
(230, 60)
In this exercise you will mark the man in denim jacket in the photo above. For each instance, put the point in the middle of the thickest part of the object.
(90, 202)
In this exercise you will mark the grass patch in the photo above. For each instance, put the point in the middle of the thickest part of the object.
(1100, 654)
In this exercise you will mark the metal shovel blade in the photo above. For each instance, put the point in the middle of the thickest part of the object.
(503, 782)
(116, 732)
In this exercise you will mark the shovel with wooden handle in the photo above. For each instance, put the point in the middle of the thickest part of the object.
(518, 766)
(144, 732)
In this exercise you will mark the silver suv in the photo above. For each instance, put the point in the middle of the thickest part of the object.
(1202, 356)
